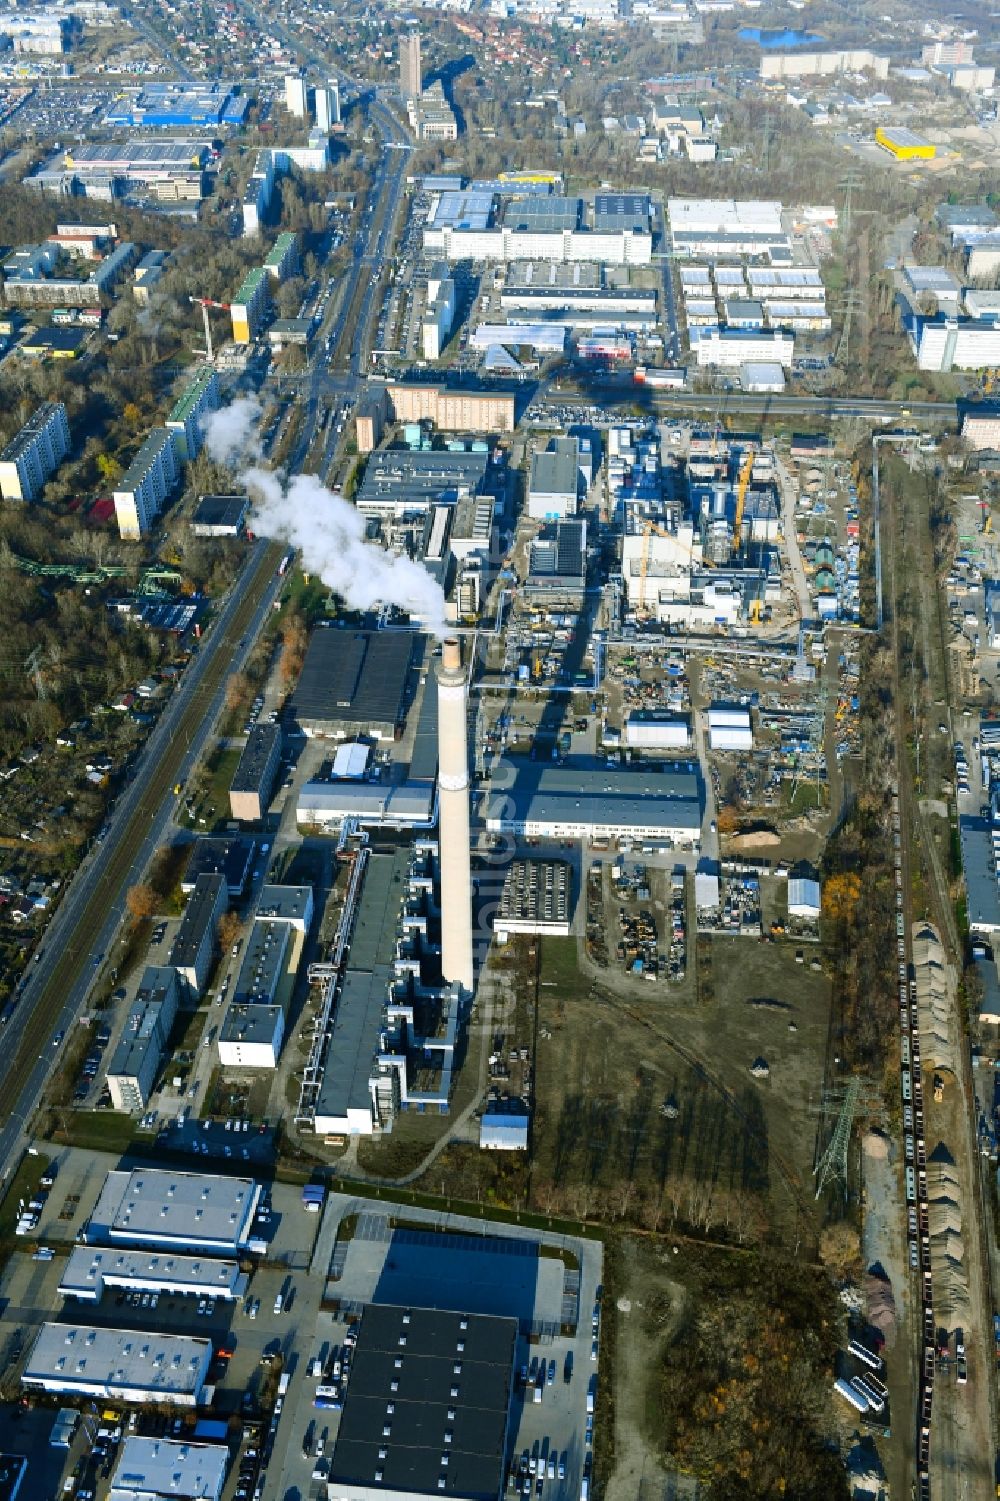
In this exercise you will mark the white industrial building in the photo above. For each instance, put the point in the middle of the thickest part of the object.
(91, 1269)
(406, 805)
(943, 344)
(438, 317)
(614, 248)
(804, 898)
(729, 729)
(189, 1211)
(504, 1130)
(727, 348)
(163, 1469)
(567, 802)
(725, 226)
(762, 377)
(118, 1365)
(647, 730)
(544, 338)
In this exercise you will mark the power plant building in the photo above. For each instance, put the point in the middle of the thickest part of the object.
(453, 818)
(34, 454)
(353, 683)
(536, 898)
(568, 802)
(140, 493)
(554, 481)
(123, 1365)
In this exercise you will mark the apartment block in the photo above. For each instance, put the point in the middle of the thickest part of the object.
(35, 453)
(250, 305)
(145, 485)
(187, 420)
(136, 1060)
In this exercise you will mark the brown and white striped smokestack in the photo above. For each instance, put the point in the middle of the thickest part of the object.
(453, 818)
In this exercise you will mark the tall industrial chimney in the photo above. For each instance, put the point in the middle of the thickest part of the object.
(453, 818)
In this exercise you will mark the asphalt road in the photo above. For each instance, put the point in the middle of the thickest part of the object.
(86, 925)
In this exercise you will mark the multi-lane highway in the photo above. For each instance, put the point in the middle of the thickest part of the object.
(84, 930)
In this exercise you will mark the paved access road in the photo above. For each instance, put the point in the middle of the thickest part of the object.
(85, 926)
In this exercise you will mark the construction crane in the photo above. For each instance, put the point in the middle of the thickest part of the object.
(741, 498)
(205, 303)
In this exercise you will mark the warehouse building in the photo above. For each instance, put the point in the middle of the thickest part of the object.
(193, 950)
(91, 1269)
(34, 454)
(729, 728)
(165, 171)
(353, 683)
(543, 338)
(174, 1210)
(428, 1409)
(650, 730)
(140, 493)
(904, 144)
(804, 898)
(163, 1469)
(504, 1127)
(569, 802)
(554, 481)
(252, 787)
(382, 805)
(191, 412)
(536, 898)
(220, 516)
(712, 227)
(136, 1060)
(118, 1365)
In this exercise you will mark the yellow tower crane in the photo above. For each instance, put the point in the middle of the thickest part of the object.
(741, 499)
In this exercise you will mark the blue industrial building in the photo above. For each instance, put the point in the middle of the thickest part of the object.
(176, 105)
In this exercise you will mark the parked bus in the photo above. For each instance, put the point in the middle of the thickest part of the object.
(850, 1394)
(867, 1357)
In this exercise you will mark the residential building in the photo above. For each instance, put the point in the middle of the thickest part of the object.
(190, 413)
(431, 117)
(327, 105)
(34, 454)
(194, 949)
(253, 781)
(251, 1035)
(292, 905)
(554, 481)
(136, 1060)
(282, 260)
(118, 1365)
(140, 493)
(249, 307)
(295, 96)
(410, 67)
(462, 410)
(228, 856)
(43, 33)
(163, 1469)
(437, 321)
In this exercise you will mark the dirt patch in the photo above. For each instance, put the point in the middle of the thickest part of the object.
(647, 1109)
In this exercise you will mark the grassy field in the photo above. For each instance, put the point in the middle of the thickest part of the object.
(24, 1185)
(96, 1130)
(646, 1108)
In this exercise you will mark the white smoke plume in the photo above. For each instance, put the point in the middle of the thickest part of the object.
(323, 526)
